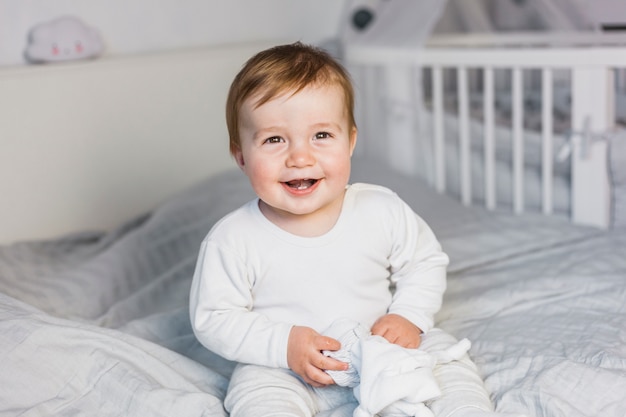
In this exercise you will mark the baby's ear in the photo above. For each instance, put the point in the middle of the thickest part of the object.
(238, 155)
(353, 136)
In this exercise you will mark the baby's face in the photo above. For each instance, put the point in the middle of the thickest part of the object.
(295, 150)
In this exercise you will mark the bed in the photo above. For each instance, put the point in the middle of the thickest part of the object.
(94, 314)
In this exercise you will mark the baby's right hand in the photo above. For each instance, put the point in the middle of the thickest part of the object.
(305, 357)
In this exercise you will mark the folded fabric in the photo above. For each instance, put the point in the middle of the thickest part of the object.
(387, 379)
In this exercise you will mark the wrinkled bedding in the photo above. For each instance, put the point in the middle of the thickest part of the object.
(97, 323)
(549, 328)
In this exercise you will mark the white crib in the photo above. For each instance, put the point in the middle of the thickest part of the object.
(590, 62)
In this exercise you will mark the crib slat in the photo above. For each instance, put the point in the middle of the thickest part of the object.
(464, 137)
(490, 155)
(547, 141)
(439, 148)
(593, 108)
(518, 144)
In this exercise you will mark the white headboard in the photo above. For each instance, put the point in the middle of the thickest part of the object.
(88, 145)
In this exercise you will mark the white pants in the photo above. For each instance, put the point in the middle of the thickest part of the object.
(257, 391)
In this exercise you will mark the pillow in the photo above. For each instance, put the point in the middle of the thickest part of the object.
(66, 38)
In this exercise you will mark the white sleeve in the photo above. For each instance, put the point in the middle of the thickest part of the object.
(220, 309)
(418, 269)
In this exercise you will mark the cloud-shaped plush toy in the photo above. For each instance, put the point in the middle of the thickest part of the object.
(63, 39)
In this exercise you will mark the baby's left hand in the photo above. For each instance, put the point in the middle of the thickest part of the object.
(398, 330)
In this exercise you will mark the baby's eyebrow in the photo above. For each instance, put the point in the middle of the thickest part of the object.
(327, 125)
(270, 130)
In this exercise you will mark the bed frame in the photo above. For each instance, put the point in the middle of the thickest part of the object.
(88, 145)
(592, 59)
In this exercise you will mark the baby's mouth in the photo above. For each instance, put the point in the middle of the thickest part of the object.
(302, 184)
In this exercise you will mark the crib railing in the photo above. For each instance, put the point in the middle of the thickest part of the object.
(592, 86)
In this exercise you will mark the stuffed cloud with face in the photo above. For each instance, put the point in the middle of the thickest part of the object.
(63, 39)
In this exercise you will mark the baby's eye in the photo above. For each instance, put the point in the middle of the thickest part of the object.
(273, 139)
(322, 135)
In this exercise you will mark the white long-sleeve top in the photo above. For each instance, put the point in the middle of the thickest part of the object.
(254, 281)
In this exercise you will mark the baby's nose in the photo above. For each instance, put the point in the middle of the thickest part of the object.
(300, 155)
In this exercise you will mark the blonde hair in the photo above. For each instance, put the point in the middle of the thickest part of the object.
(281, 69)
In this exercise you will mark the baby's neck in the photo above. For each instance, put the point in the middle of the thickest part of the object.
(305, 225)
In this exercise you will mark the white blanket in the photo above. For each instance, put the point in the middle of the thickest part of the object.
(389, 380)
(97, 324)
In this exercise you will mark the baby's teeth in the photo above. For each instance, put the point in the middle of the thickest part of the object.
(300, 184)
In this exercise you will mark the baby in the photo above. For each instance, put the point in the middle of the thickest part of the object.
(274, 274)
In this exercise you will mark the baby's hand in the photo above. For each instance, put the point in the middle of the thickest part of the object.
(398, 330)
(305, 357)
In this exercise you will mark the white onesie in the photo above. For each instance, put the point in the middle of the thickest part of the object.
(254, 281)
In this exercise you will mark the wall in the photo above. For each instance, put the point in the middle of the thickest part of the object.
(135, 26)
(87, 145)
(608, 11)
